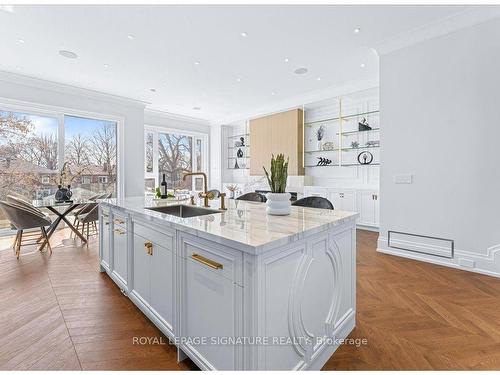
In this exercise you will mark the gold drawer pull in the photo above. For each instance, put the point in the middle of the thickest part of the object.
(106, 223)
(119, 231)
(149, 247)
(206, 261)
(118, 221)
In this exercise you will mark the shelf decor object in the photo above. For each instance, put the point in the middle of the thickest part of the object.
(323, 162)
(278, 201)
(328, 146)
(320, 133)
(363, 125)
(365, 157)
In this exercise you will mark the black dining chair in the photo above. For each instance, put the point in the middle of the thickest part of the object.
(252, 197)
(314, 202)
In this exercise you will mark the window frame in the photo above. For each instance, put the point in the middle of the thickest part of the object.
(156, 130)
(58, 112)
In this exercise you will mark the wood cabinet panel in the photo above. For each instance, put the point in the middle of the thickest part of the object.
(274, 134)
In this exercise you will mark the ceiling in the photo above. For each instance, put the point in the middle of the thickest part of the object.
(197, 56)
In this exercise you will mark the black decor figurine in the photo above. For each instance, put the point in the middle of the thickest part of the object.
(365, 157)
(236, 166)
(323, 162)
(242, 139)
(363, 125)
(239, 153)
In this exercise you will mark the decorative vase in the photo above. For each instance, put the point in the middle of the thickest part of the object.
(63, 194)
(231, 194)
(278, 203)
(320, 145)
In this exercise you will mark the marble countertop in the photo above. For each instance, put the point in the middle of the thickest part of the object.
(245, 225)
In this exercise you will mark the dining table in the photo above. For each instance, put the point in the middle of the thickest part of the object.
(62, 210)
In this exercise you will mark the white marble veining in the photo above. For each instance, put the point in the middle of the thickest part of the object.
(245, 225)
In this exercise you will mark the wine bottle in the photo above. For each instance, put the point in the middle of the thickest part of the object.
(163, 188)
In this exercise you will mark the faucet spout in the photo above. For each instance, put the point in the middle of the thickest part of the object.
(205, 195)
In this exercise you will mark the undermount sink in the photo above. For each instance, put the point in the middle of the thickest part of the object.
(183, 210)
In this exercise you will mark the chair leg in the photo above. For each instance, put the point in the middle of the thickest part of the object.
(88, 225)
(14, 245)
(44, 233)
(19, 240)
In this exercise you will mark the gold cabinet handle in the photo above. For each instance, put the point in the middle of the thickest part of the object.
(206, 261)
(118, 221)
(119, 231)
(148, 246)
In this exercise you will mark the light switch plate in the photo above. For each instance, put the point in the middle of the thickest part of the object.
(403, 179)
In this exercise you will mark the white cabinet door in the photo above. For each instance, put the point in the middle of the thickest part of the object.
(210, 302)
(104, 234)
(348, 200)
(210, 305)
(162, 282)
(377, 210)
(141, 269)
(335, 198)
(120, 253)
(368, 208)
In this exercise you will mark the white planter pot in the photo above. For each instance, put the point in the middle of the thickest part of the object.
(278, 203)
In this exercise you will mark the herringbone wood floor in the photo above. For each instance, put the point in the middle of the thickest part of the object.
(59, 312)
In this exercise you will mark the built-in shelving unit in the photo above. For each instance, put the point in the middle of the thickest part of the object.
(233, 159)
(342, 132)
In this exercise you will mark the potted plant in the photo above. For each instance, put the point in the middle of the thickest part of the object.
(278, 201)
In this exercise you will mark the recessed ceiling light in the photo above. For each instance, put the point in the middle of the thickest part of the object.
(152, 90)
(196, 63)
(318, 79)
(21, 41)
(7, 8)
(244, 34)
(300, 71)
(357, 30)
(130, 36)
(287, 59)
(106, 66)
(362, 65)
(238, 79)
(18, 67)
(68, 54)
(197, 108)
(273, 93)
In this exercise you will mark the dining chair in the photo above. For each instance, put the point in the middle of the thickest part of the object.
(314, 202)
(89, 218)
(21, 201)
(252, 197)
(21, 219)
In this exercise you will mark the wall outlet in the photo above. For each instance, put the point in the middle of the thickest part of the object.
(403, 179)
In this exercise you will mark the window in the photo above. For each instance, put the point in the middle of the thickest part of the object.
(35, 146)
(90, 151)
(173, 153)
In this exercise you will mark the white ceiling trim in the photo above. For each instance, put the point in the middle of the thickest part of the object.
(467, 18)
(64, 88)
(299, 101)
(174, 116)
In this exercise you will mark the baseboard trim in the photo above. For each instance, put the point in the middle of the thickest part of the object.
(488, 264)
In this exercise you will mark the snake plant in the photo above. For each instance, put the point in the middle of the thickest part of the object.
(279, 173)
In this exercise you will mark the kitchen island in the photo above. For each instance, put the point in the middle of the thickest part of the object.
(236, 289)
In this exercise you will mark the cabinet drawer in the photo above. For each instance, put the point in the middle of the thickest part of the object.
(213, 257)
(165, 240)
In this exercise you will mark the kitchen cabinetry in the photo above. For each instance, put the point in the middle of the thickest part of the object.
(104, 238)
(278, 133)
(365, 202)
(210, 301)
(154, 275)
(119, 249)
(368, 208)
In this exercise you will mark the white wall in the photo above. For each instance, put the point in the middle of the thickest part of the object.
(46, 93)
(439, 103)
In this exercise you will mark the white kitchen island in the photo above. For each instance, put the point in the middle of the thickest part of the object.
(238, 289)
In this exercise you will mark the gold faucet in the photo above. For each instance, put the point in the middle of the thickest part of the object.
(205, 195)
